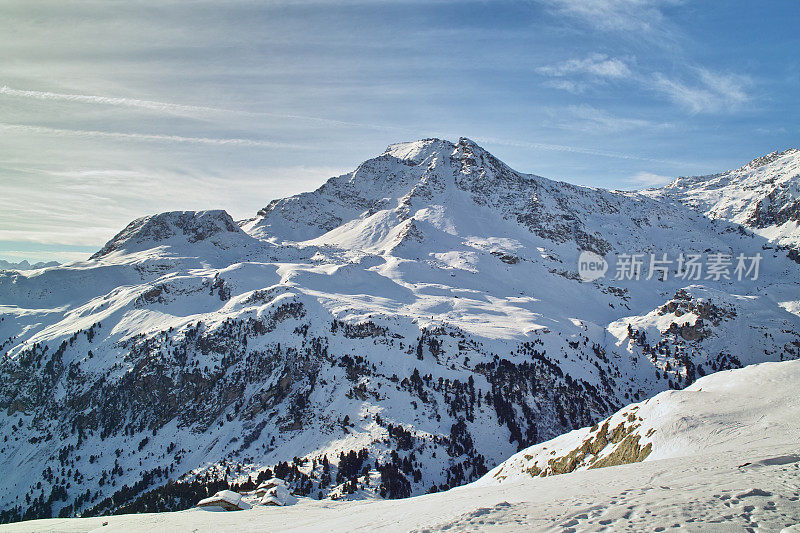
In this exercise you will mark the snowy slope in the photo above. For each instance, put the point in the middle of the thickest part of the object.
(424, 311)
(763, 195)
(724, 459)
(748, 409)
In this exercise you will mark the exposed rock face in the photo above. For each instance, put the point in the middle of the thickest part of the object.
(187, 386)
(717, 415)
(546, 210)
(600, 447)
(704, 310)
(774, 210)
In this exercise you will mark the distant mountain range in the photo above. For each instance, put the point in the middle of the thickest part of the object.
(25, 265)
(402, 329)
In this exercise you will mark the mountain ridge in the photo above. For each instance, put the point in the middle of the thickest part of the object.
(193, 226)
(762, 195)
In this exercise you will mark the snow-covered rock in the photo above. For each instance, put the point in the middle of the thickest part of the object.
(176, 232)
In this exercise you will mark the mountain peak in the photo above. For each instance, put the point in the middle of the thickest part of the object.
(427, 176)
(416, 174)
(191, 226)
(418, 151)
(466, 141)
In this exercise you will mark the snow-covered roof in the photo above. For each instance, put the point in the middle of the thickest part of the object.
(278, 495)
(272, 482)
(271, 500)
(225, 498)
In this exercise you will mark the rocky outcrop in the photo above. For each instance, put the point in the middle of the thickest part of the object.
(190, 226)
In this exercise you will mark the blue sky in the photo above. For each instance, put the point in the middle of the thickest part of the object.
(110, 110)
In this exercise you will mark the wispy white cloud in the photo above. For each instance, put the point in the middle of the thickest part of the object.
(711, 92)
(629, 15)
(177, 109)
(598, 65)
(591, 119)
(644, 180)
(706, 91)
(698, 89)
(112, 101)
(571, 86)
(577, 150)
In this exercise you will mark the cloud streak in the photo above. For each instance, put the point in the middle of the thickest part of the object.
(709, 92)
(599, 65)
(112, 101)
(191, 111)
(168, 107)
(147, 137)
(642, 16)
(714, 91)
(590, 119)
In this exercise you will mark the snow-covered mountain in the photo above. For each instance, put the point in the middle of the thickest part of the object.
(722, 457)
(763, 196)
(400, 330)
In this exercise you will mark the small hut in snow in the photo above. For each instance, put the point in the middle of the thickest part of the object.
(278, 495)
(268, 484)
(226, 499)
